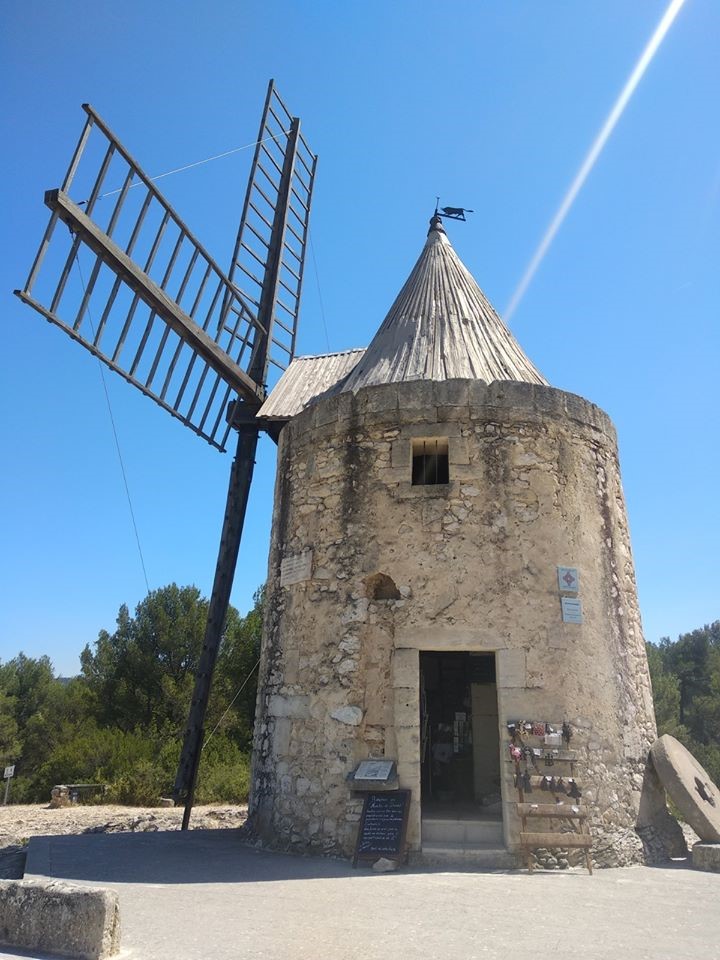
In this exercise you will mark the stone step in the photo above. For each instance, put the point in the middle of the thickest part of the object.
(436, 830)
(477, 856)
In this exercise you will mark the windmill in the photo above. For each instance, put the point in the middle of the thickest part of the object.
(158, 310)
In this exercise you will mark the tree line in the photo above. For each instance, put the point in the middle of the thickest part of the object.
(685, 677)
(120, 722)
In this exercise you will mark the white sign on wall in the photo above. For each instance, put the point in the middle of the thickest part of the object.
(571, 609)
(375, 770)
(296, 568)
(568, 579)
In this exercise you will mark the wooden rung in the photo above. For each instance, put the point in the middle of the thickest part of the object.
(537, 779)
(550, 810)
(562, 757)
(534, 840)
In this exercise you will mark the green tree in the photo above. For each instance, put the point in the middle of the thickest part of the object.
(121, 721)
(237, 671)
(27, 682)
(666, 691)
(686, 689)
(687, 659)
(9, 742)
(142, 674)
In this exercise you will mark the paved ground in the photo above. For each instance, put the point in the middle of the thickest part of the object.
(204, 896)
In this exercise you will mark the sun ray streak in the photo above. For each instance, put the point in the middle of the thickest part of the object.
(594, 152)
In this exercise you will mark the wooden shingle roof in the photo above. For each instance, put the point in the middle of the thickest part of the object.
(441, 327)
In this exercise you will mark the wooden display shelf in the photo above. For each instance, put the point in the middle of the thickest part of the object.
(527, 809)
(563, 756)
(560, 810)
(536, 780)
(535, 840)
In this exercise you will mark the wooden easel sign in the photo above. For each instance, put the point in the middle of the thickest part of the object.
(383, 826)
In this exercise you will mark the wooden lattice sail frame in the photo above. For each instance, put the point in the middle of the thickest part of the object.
(157, 309)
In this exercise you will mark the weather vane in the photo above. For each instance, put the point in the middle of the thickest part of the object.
(454, 213)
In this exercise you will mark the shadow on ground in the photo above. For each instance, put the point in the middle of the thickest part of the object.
(196, 856)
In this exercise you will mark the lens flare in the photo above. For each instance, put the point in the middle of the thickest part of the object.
(594, 152)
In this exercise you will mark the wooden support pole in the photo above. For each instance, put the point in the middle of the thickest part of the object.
(235, 507)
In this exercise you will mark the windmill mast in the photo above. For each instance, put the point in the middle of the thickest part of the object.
(243, 417)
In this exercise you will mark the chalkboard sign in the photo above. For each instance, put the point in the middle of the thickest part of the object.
(383, 826)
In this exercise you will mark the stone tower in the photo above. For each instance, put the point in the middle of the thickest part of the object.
(431, 492)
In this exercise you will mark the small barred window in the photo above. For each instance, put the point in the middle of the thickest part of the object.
(430, 461)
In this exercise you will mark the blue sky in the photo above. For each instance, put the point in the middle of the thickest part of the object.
(493, 105)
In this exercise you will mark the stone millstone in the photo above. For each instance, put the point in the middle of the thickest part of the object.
(690, 787)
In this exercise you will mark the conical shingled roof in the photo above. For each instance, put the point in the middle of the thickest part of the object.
(441, 327)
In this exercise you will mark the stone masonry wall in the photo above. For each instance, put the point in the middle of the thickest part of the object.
(534, 482)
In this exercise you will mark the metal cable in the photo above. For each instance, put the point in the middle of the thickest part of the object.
(115, 434)
(317, 281)
(198, 163)
(244, 684)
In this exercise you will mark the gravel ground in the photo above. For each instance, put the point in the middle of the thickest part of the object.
(21, 821)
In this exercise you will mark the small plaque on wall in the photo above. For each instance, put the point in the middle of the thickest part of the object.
(571, 609)
(568, 579)
(375, 770)
(296, 568)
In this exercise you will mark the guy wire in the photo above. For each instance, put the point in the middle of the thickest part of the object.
(115, 434)
(317, 282)
(197, 163)
(242, 687)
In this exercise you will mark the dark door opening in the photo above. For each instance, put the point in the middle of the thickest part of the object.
(460, 752)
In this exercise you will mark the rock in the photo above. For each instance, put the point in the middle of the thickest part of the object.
(689, 785)
(383, 865)
(352, 716)
(52, 916)
(706, 856)
(59, 796)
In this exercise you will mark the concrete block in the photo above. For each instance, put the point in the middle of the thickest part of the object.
(292, 706)
(477, 393)
(394, 475)
(458, 451)
(326, 411)
(407, 707)
(405, 668)
(408, 743)
(281, 737)
(382, 398)
(462, 472)
(430, 430)
(450, 393)
(452, 638)
(511, 668)
(400, 454)
(51, 916)
(706, 856)
(417, 395)
(344, 406)
(409, 775)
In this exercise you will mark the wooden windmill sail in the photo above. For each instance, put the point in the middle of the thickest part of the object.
(158, 310)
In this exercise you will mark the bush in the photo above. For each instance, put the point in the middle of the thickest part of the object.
(224, 775)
